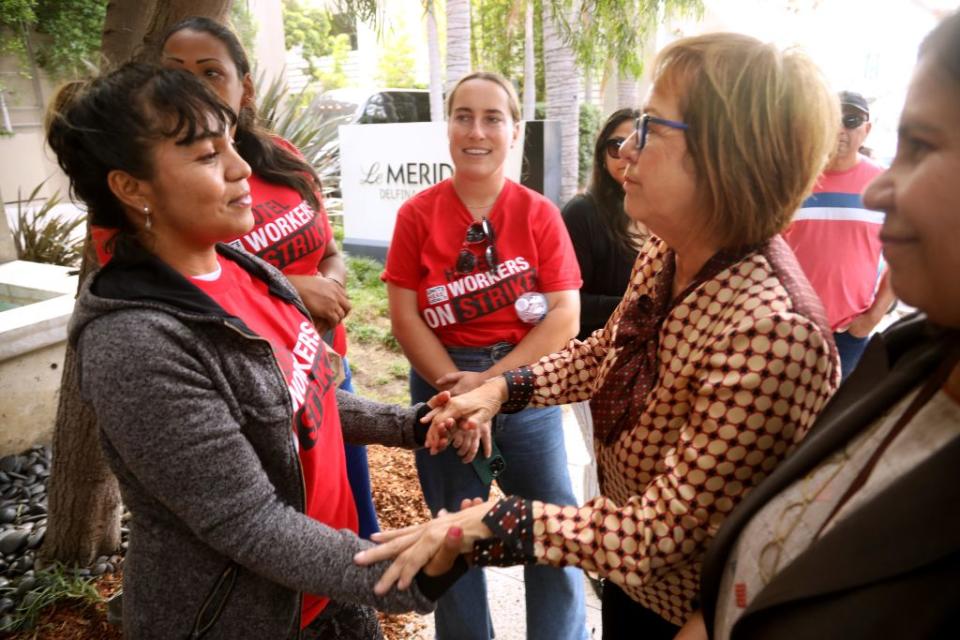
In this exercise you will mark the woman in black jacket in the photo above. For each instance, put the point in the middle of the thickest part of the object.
(214, 394)
(605, 239)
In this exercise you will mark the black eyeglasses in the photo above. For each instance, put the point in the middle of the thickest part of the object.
(643, 128)
(476, 233)
(853, 120)
(612, 146)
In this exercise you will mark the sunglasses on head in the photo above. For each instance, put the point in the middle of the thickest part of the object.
(476, 233)
(853, 120)
(612, 146)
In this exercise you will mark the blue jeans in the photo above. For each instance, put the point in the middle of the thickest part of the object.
(850, 349)
(531, 443)
(358, 474)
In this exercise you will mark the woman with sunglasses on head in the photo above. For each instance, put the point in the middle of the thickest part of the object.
(214, 394)
(291, 229)
(481, 278)
(605, 239)
(711, 369)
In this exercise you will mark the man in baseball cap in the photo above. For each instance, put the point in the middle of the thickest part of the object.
(855, 128)
(837, 241)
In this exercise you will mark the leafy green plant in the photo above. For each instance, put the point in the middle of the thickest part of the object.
(590, 122)
(65, 33)
(315, 137)
(15, 15)
(368, 294)
(306, 27)
(399, 369)
(365, 273)
(46, 587)
(395, 66)
(336, 77)
(42, 236)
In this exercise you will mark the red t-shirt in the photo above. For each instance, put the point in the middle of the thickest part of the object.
(311, 379)
(287, 233)
(476, 309)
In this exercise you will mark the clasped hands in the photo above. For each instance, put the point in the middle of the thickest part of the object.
(432, 546)
(462, 420)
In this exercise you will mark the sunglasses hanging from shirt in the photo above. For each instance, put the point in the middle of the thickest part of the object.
(477, 233)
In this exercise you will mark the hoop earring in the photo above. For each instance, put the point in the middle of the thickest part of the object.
(147, 224)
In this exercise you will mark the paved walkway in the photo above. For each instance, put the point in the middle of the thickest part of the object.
(505, 586)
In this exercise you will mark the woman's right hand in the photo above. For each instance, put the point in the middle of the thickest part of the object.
(325, 299)
(472, 411)
(416, 546)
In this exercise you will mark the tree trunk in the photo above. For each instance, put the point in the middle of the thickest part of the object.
(563, 100)
(167, 13)
(529, 66)
(84, 507)
(433, 49)
(123, 30)
(458, 41)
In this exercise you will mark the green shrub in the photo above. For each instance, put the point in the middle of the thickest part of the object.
(41, 236)
(364, 273)
(388, 340)
(590, 122)
(399, 369)
(49, 586)
(317, 139)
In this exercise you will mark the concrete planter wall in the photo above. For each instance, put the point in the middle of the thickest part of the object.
(32, 343)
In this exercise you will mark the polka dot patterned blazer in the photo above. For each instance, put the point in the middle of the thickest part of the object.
(745, 362)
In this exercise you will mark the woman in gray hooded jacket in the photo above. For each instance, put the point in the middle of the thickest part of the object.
(216, 400)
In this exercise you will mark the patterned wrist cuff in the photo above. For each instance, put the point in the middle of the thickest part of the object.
(519, 389)
(511, 521)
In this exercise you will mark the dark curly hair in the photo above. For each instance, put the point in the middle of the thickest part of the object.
(110, 123)
(256, 145)
(606, 192)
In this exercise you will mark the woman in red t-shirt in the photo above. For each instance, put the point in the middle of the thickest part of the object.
(214, 394)
(291, 230)
(482, 277)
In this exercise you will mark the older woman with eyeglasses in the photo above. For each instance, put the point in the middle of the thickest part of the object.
(713, 366)
(482, 278)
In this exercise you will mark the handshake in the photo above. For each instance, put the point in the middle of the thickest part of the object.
(464, 422)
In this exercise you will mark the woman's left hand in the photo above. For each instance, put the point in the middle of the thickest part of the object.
(459, 382)
(414, 547)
